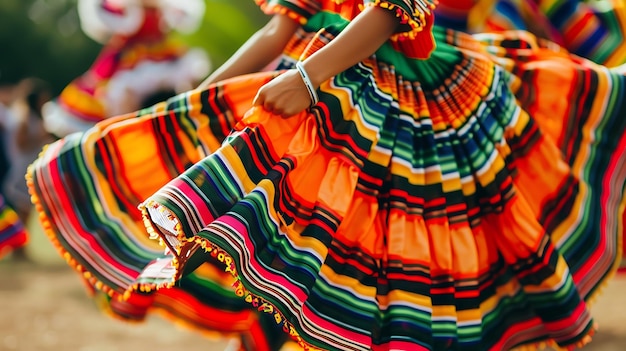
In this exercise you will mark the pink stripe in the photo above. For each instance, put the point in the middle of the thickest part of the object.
(519, 333)
(600, 254)
(285, 289)
(277, 280)
(198, 204)
(322, 324)
(63, 217)
(579, 318)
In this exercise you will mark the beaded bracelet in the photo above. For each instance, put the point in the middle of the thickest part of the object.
(307, 83)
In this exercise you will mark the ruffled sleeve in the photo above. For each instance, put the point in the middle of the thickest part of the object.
(300, 10)
(414, 37)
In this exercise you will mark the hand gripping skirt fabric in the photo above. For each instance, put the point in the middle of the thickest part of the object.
(420, 205)
(86, 188)
(13, 234)
(432, 204)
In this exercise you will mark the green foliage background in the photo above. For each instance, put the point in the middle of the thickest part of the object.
(42, 38)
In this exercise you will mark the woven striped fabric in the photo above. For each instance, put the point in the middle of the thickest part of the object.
(86, 188)
(13, 234)
(459, 202)
(592, 29)
(548, 74)
(421, 204)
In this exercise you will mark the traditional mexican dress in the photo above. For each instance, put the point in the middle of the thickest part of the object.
(140, 59)
(13, 234)
(466, 195)
(592, 29)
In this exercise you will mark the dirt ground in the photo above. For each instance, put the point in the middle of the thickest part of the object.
(44, 307)
(47, 309)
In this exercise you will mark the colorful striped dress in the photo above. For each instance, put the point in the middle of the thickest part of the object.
(12, 232)
(467, 196)
(13, 235)
(141, 62)
(592, 29)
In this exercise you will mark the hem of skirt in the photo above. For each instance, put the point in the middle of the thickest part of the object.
(554, 346)
(258, 302)
(619, 266)
(593, 297)
(94, 285)
(46, 225)
(263, 305)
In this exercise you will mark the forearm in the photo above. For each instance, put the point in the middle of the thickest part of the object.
(357, 42)
(258, 51)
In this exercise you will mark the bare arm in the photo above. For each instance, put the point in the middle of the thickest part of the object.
(363, 36)
(258, 51)
(286, 95)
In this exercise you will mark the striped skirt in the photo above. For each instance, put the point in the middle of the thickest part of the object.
(592, 29)
(457, 203)
(13, 234)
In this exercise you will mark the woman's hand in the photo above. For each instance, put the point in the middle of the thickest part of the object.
(285, 95)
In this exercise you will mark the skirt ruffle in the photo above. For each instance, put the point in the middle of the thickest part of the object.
(86, 188)
(412, 214)
(578, 106)
(421, 205)
(591, 29)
